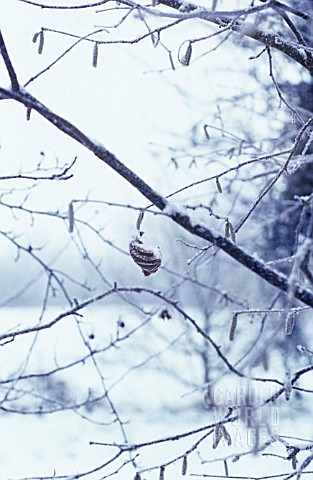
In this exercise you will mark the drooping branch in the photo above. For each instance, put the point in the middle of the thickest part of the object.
(178, 215)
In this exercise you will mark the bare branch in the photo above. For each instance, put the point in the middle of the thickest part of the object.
(253, 264)
(8, 64)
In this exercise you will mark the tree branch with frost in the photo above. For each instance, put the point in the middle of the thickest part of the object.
(79, 307)
(62, 173)
(154, 34)
(126, 448)
(282, 170)
(235, 20)
(8, 64)
(297, 51)
(179, 216)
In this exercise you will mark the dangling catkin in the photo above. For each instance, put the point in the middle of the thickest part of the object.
(232, 232)
(162, 470)
(71, 217)
(227, 231)
(226, 435)
(39, 35)
(36, 35)
(233, 326)
(184, 466)
(218, 185)
(139, 220)
(288, 389)
(217, 436)
(95, 55)
(289, 323)
(41, 42)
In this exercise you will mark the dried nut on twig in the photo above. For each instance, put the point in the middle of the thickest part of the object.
(148, 259)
